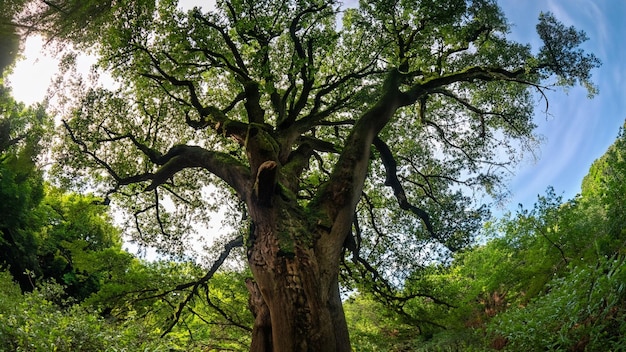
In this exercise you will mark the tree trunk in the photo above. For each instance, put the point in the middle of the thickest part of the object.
(295, 295)
(294, 255)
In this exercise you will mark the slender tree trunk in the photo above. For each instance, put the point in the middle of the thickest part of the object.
(295, 296)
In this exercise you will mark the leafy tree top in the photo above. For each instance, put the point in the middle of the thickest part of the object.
(314, 117)
(289, 82)
(446, 99)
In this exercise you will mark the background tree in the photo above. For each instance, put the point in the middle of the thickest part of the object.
(43, 320)
(309, 128)
(578, 298)
(78, 246)
(548, 277)
(214, 313)
(46, 233)
(21, 185)
(9, 39)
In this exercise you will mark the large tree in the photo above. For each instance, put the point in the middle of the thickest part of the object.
(311, 117)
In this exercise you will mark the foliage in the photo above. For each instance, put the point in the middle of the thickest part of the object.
(78, 245)
(66, 237)
(9, 39)
(69, 238)
(43, 320)
(155, 68)
(584, 310)
(550, 277)
(566, 61)
(47, 233)
(76, 19)
(373, 327)
(171, 299)
(22, 136)
(604, 189)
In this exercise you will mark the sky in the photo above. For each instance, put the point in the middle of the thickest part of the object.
(575, 130)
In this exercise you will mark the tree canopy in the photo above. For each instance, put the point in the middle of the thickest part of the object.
(329, 131)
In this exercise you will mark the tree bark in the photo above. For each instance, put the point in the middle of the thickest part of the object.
(295, 297)
(262, 330)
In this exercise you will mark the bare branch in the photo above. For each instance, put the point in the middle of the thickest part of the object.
(235, 243)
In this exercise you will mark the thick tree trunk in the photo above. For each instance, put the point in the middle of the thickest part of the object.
(295, 259)
(295, 296)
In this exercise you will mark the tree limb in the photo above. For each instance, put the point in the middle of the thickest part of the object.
(486, 74)
(178, 158)
(237, 242)
(392, 181)
(223, 165)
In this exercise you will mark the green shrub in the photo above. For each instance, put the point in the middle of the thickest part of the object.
(584, 310)
(43, 321)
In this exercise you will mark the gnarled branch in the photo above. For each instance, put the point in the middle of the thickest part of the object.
(392, 181)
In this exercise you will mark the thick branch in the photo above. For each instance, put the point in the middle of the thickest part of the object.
(178, 158)
(349, 173)
(318, 144)
(392, 181)
(256, 114)
(486, 74)
(223, 165)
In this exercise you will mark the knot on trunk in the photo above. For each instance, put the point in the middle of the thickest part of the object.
(265, 183)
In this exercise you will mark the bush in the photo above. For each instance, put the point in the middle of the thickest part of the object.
(584, 310)
(43, 321)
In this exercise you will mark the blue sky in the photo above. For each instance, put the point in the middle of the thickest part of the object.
(576, 130)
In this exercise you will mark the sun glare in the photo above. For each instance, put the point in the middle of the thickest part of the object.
(32, 73)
